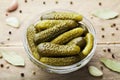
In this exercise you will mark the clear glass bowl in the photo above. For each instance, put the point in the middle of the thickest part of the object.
(61, 69)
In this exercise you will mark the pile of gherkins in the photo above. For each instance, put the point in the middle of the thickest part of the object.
(59, 39)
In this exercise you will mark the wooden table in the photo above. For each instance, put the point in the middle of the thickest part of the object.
(31, 8)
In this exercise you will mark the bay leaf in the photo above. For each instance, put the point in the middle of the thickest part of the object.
(94, 71)
(13, 22)
(111, 64)
(13, 58)
(105, 13)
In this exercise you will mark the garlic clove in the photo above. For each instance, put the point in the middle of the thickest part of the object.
(13, 6)
(13, 22)
(94, 71)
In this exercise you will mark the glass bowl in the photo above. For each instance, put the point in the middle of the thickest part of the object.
(59, 69)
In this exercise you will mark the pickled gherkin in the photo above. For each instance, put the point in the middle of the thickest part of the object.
(48, 49)
(79, 41)
(30, 35)
(89, 44)
(84, 28)
(62, 16)
(65, 61)
(67, 36)
(44, 24)
(49, 34)
(60, 38)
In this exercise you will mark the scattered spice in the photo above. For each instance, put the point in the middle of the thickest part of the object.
(109, 50)
(8, 39)
(10, 32)
(101, 67)
(117, 29)
(113, 34)
(91, 17)
(7, 67)
(1, 55)
(100, 3)
(2, 43)
(1, 65)
(104, 50)
(56, 2)
(6, 14)
(103, 36)
(20, 11)
(33, 72)
(25, 1)
(113, 56)
(44, 2)
(113, 25)
(71, 2)
(22, 74)
(102, 29)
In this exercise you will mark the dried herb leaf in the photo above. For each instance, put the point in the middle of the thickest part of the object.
(105, 13)
(13, 58)
(13, 22)
(113, 65)
(95, 71)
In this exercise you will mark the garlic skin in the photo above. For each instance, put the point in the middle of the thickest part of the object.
(13, 22)
(13, 6)
(94, 71)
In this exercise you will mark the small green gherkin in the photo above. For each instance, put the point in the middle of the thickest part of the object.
(45, 24)
(48, 49)
(67, 36)
(79, 41)
(30, 35)
(62, 16)
(89, 44)
(50, 33)
(65, 61)
(84, 28)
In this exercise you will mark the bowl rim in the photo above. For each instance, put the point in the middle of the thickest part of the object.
(29, 53)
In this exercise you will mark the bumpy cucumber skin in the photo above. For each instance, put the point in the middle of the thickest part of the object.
(60, 61)
(79, 41)
(48, 49)
(67, 36)
(90, 41)
(62, 16)
(44, 24)
(30, 35)
(48, 34)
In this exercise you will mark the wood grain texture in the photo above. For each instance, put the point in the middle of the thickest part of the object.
(33, 8)
(14, 72)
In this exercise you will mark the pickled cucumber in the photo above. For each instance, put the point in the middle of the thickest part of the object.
(49, 34)
(44, 24)
(67, 36)
(79, 41)
(30, 34)
(60, 61)
(62, 16)
(84, 28)
(48, 49)
(90, 41)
